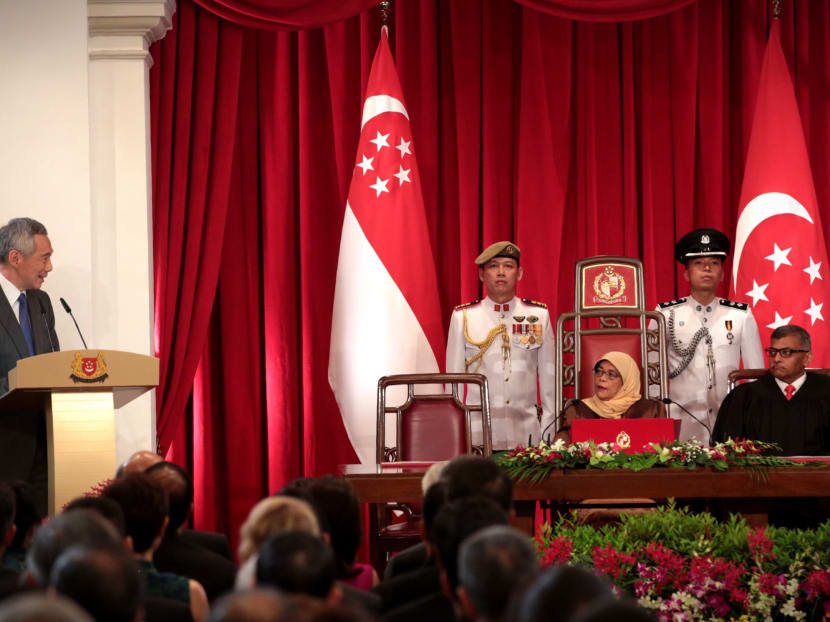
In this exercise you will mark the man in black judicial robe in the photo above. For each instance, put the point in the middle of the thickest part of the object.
(790, 407)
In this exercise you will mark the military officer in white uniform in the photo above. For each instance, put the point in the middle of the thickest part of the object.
(708, 336)
(509, 340)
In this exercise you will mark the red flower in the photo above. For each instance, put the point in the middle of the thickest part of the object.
(760, 544)
(817, 584)
(558, 552)
(609, 561)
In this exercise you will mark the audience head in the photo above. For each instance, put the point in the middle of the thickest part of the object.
(26, 517)
(432, 475)
(559, 593)
(434, 499)
(105, 582)
(40, 607)
(106, 508)
(492, 564)
(475, 475)
(297, 563)
(78, 528)
(178, 486)
(455, 521)
(610, 609)
(338, 508)
(139, 462)
(145, 508)
(8, 510)
(274, 515)
(259, 605)
(794, 341)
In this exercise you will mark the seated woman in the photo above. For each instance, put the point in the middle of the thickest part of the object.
(616, 395)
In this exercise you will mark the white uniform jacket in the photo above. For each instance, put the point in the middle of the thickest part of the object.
(734, 334)
(511, 373)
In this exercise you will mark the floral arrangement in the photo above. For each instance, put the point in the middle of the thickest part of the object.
(537, 462)
(687, 566)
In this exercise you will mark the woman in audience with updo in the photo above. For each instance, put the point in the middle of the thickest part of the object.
(269, 517)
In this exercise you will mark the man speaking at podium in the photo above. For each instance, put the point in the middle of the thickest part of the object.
(27, 327)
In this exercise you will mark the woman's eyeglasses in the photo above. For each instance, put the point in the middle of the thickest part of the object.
(784, 352)
(608, 373)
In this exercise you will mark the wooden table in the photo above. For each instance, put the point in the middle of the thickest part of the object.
(740, 490)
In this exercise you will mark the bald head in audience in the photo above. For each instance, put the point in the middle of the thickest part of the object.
(139, 462)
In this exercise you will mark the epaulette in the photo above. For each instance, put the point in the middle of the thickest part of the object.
(671, 303)
(469, 304)
(535, 303)
(735, 305)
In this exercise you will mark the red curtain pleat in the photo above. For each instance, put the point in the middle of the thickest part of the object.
(571, 138)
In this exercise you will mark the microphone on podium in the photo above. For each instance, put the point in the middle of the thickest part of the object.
(69, 311)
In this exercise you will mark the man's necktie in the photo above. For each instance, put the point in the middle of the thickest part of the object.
(790, 389)
(25, 324)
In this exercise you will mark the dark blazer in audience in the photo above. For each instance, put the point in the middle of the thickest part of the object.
(214, 572)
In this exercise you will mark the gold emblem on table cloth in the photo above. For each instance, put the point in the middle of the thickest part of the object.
(624, 440)
(609, 285)
(88, 369)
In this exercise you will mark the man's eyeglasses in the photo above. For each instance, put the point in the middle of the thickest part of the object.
(609, 373)
(784, 352)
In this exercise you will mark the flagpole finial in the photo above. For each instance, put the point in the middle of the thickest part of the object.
(385, 6)
(776, 8)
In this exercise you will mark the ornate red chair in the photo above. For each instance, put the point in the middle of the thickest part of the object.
(609, 314)
(429, 427)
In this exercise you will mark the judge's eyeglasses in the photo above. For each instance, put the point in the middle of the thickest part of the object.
(784, 352)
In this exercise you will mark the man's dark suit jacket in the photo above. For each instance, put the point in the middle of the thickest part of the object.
(19, 431)
(178, 555)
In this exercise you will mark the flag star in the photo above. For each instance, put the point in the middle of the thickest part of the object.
(380, 141)
(813, 271)
(380, 186)
(814, 312)
(779, 321)
(757, 292)
(366, 165)
(779, 257)
(402, 175)
(404, 147)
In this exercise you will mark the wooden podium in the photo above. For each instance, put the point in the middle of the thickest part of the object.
(80, 391)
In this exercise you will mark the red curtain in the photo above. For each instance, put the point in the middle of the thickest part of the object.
(571, 138)
(287, 14)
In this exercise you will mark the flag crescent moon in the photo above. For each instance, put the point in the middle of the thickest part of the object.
(378, 104)
(757, 211)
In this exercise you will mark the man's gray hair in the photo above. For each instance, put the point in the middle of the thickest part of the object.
(19, 234)
(792, 329)
(492, 564)
(41, 607)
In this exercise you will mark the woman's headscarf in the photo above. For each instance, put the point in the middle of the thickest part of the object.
(629, 391)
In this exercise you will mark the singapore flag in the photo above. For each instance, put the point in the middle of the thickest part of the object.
(386, 316)
(780, 261)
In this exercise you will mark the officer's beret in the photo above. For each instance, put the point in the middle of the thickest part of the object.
(701, 243)
(499, 249)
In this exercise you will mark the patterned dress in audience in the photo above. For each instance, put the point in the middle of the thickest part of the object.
(164, 584)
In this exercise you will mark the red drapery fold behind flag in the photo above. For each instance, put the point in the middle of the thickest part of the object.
(780, 258)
